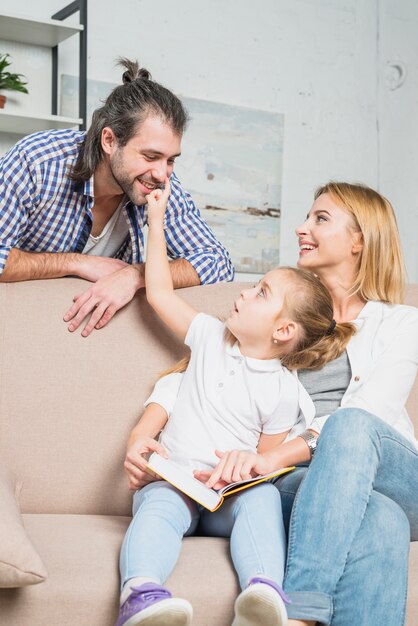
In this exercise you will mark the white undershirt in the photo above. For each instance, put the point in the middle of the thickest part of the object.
(112, 236)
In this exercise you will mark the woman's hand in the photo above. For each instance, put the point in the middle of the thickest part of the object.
(136, 461)
(157, 203)
(234, 465)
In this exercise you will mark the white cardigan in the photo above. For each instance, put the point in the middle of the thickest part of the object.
(383, 356)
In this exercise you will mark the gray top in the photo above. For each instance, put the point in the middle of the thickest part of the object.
(327, 385)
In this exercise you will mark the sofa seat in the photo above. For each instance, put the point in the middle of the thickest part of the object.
(81, 554)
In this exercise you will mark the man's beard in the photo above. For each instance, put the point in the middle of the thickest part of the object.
(121, 178)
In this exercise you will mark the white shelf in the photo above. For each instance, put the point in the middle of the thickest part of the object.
(35, 31)
(26, 124)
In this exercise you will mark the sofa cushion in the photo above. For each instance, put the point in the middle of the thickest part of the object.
(20, 564)
(82, 552)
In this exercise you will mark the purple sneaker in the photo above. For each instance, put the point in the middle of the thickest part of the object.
(153, 605)
(262, 603)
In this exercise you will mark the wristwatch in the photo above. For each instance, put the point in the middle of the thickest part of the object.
(310, 440)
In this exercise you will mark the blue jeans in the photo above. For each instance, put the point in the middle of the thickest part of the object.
(163, 516)
(351, 524)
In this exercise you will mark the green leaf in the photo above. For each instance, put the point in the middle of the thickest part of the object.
(8, 80)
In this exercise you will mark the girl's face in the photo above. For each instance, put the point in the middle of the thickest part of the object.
(254, 318)
(328, 238)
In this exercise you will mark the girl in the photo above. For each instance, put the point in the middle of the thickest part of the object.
(238, 393)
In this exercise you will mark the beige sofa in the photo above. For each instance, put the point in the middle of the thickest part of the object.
(67, 405)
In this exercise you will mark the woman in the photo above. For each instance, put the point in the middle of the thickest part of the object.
(364, 473)
(342, 529)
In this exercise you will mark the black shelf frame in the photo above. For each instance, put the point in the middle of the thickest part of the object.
(70, 9)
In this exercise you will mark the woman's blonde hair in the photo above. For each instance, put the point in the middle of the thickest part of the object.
(381, 271)
(308, 303)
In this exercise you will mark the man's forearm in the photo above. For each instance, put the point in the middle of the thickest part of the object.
(22, 265)
(183, 274)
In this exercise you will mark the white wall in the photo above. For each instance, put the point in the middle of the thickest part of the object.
(323, 63)
(398, 119)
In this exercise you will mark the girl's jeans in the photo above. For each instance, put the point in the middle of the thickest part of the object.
(351, 524)
(163, 515)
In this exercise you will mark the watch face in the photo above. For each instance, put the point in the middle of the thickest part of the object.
(312, 444)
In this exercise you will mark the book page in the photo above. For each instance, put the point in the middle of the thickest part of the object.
(243, 484)
(180, 478)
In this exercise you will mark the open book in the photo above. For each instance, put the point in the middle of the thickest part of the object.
(211, 499)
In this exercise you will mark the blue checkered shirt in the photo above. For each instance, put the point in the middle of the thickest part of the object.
(43, 210)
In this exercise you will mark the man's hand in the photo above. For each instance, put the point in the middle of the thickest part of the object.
(103, 299)
(233, 466)
(92, 267)
(136, 462)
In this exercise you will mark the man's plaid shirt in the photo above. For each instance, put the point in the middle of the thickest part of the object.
(43, 210)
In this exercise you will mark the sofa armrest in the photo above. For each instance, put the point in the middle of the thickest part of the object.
(20, 564)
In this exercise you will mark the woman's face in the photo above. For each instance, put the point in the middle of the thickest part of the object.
(328, 238)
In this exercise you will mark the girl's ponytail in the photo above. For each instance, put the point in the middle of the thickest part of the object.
(321, 339)
(327, 348)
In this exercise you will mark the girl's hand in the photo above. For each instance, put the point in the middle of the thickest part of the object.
(204, 476)
(236, 465)
(157, 203)
(136, 461)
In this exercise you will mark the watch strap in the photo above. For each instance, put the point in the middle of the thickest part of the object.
(310, 440)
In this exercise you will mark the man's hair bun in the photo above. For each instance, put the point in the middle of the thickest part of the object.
(133, 71)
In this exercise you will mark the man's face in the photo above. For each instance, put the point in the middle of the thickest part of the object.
(146, 160)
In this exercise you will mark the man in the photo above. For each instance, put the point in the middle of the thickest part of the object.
(74, 203)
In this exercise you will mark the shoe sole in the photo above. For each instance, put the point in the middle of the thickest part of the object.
(259, 605)
(172, 612)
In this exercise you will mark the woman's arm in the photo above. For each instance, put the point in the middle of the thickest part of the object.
(267, 442)
(243, 464)
(174, 311)
(289, 453)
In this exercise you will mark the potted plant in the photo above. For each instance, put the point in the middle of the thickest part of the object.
(8, 80)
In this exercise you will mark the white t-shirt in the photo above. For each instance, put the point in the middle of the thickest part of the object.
(226, 400)
(112, 236)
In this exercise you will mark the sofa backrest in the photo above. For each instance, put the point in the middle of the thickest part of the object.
(67, 403)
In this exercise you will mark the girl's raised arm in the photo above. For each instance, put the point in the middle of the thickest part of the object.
(174, 311)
